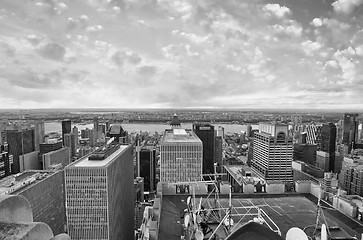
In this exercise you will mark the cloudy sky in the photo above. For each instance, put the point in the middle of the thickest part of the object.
(181, 53)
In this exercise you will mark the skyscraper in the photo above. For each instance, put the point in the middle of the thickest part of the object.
(205, 132)
(181, 156)
(350, 129)
(147, 167)
(5, 168)
(314, 135)
(66, 128)
(20, 142)
(328, 142)
(39, 134)
(273, 152)
(75, 132)
(70, 141)
(95, 129)
(100, 195)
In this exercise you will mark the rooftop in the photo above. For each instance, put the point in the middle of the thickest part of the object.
(236, 173)
(86, 162)
(13, 184)
(179, 136)
(286, 212)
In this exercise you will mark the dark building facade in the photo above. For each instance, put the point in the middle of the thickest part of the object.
(5, 168)
(66, 128)
(328, 142)
(205, 132)
(147, 163)
(305, 153)
(350, 129)
(49, 147)
(20, 143)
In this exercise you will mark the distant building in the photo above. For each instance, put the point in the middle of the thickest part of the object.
(45, 192)
(56, 159)
(70, 141)
(305, 153)
(75, 132)
(350, 129)
(249, 131)
(273, 152)
(20, 142)
(218, 150)
(116, 131)
(5, 164)
(49, 147)
(39, 134)
(146, 160)
(100, 195)
(205, 132)
(314, 135)
(66, 128)
(181, 156)
(328, 142)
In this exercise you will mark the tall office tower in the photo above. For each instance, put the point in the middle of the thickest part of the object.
(273, 152)
(75, 132)
(219, 132)
(118, 133)
(205, 132)
(70, 141)
(66, 128)
(314, 135)
(218, 150)
(305, 153)
(328, 142)
(350, 129)
(20, 142)
(146, 162)
(5, 166)
(27, 136)
(181, 157)
(39, 134)
(95, 129)
(249, 131)
(100, 195)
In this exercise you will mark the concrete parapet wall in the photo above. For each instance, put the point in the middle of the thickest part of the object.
(16, 221)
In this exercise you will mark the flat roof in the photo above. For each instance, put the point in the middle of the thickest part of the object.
(85, 162)
(285, 211)
(234, 170)
(16, 183)
(179, 136)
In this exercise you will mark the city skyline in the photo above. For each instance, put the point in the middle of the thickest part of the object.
(182, 54)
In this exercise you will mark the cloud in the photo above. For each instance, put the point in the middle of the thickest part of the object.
(80, 22)
(6, 49)
(52, 51)
(147, 70)
(94, 28)
(317, 22)
(276, 10)
(346, 6)
(34, 39)
(119, 58)
(52, 6)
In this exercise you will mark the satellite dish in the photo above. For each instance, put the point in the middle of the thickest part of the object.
(188, 200)
(199, 235)
(186, 220)
(296, 234)
(324, 235)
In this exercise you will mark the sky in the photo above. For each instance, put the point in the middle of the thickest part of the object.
(255, 54)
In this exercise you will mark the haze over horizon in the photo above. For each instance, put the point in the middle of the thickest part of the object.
(261, 54)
